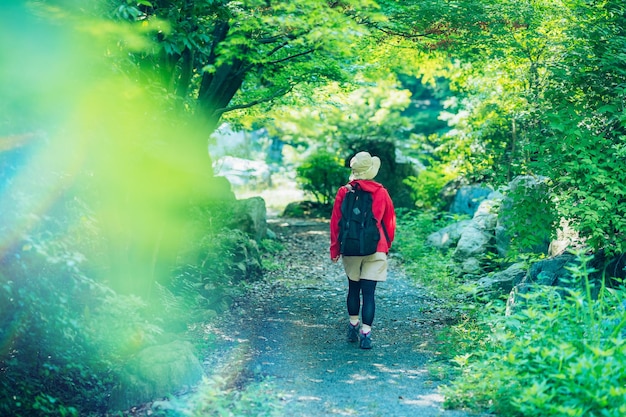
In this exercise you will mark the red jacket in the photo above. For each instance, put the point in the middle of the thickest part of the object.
(382, 208)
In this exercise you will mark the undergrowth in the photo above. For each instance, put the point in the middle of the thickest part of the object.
(425, 264)
(561, 352)
(557, 351)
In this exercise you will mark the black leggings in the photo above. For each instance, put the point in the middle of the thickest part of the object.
(355, 288)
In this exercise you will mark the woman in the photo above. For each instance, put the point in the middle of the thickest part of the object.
(364, 272)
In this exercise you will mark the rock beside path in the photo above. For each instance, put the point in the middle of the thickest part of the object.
(155, 372)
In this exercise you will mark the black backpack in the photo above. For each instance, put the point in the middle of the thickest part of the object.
(358, 229)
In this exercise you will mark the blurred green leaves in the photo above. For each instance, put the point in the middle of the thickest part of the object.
(97, 177)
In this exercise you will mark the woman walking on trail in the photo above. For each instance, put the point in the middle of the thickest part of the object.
(364, 272)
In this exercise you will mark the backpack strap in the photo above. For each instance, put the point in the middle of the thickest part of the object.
(384, 228)
(347, 215)
(385, 232)
(351, 188)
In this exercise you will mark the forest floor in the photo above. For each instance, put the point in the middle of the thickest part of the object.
(287, 333)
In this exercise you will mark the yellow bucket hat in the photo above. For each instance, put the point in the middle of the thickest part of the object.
(364, 166)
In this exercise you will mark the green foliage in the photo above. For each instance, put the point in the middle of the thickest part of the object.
(119, 326)
(561, 353)
(428, 100)
(368, 118)
(371, 114)
(321, 174)
(346, 120)
(544, 97)
(425, 264)
(93, 197)
(211, 267)
(49, 364)
(529, 215)
(232, 55)
(270, 249)
(65, 333)
(271, 246)
(584, 127)
(426, 187)
(497, 76)
(540, 91)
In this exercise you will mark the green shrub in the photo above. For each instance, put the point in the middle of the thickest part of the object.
(210, 269)
(49, 364)
(321, 174)
(563, 354)
(529, 216)
(427, 185)
(427, 265)
(271, 246)
(65, 334)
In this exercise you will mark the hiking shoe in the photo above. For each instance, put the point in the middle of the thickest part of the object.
(353, 333)
(366, 341)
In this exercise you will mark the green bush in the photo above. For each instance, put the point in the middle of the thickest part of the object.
(427, 185)
(529, 216)
(48, 362)
(562, 354)
(211, 267)
(427, 265)
(321, 174)
(65, 333)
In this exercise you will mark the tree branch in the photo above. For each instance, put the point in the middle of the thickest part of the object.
(406, 35)
(287, 35)
(277, 48)
(278, 61)
(365, 21)
(278, 93)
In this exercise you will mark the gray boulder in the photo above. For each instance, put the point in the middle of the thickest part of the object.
(468, 198)
(250, 216)
(156, 372)
(476, 237)
(469, 266)
(448, 236)
(502, 240)
(486, 215)
(473, 242)
(503, 282)
(551, 271)
(551, 274)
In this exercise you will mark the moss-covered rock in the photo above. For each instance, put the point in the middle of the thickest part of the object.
(156, 372)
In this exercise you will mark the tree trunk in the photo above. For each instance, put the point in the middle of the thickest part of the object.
(217, 90)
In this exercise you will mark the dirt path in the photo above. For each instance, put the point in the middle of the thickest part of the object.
(293, 329)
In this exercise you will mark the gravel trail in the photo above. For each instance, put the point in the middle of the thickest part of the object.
(293, 326)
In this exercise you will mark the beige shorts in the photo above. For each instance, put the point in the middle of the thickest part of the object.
(372, 267)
